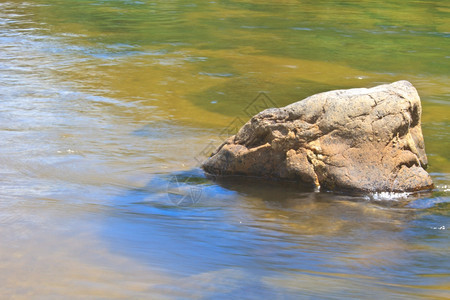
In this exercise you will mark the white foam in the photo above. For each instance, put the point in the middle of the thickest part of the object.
(389, 196)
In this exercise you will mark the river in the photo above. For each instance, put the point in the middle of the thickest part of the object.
(108, 106)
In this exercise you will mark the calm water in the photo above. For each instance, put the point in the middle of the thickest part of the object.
(106, 107)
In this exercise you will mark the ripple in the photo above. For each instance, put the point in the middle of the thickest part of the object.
(216, 74)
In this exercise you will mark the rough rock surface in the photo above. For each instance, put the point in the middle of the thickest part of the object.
(358, 139)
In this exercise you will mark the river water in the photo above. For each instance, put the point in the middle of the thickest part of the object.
(106, 108)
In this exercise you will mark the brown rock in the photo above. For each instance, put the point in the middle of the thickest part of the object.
(357, 139)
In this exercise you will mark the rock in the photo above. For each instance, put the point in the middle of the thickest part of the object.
(367, 140)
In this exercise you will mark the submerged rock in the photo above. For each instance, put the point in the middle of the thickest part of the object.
(358, 139)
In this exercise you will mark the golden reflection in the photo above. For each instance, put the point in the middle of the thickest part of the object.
(310, 215)
(182, 90)
(170, 81)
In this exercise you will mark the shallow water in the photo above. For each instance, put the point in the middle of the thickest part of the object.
(106, 108)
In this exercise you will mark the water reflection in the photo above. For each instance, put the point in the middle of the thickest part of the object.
(300, 233)
(107, 107)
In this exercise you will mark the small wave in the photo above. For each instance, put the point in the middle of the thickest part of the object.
(428, 202)
(438, 227)
(301, 28)
(443, 188)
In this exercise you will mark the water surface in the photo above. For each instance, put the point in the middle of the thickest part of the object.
(107, 107)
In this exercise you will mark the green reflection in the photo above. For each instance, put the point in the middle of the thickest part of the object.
(368, 35)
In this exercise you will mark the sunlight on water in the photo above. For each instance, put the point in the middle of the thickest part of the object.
(108, 107)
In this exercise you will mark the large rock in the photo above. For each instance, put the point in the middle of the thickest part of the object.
(357, 139)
